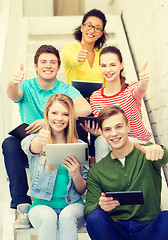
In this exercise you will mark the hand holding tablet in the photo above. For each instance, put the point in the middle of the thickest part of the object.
(91, 118)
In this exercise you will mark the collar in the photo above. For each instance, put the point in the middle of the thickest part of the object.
(126, 156)
(102, 93)
(39, 89)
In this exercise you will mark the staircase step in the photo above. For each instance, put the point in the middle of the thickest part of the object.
(64, 24)
(82, 233)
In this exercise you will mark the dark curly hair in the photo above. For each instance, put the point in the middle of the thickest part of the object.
(115, 50)
(93, 13)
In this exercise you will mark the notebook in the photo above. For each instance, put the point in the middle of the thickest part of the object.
(55, 153)
(86, 88)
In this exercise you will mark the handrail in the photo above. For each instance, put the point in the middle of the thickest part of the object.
(136, 70)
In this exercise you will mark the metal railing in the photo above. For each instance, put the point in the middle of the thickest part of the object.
(165, 168)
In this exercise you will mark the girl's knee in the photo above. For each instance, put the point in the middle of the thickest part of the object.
(42, 215)
(66, 216)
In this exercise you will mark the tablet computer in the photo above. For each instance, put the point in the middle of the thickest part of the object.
(86, 88)
(127, 197)
(55, 153)
(19, 131)
(91, 118)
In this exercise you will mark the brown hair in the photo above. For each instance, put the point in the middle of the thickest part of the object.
(112, 49)
(47, 49)
(109, 111)
(70, 131)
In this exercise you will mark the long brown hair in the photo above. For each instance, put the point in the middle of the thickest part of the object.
(115, 50)
(70, 131)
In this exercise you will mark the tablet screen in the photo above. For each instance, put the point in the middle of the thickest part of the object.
(91, 118)
(55, 153)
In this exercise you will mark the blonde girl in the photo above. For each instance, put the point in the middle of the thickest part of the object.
(57, 191)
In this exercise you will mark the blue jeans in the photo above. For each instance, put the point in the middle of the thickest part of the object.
(15, 162)
(47, 220)
(100, 226)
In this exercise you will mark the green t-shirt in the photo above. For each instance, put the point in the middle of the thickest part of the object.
(58, 200)
(138, 174)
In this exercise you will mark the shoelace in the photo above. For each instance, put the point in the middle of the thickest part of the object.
(23, 215)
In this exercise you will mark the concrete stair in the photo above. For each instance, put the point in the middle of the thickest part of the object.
(57, 31)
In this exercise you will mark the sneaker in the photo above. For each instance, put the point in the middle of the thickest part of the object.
(22, 221)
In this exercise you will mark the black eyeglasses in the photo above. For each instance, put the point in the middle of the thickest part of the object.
(89, 26)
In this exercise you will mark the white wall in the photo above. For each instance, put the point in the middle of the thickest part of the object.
(106, 6)
(38, 8)
(31, 7)
(148, 34)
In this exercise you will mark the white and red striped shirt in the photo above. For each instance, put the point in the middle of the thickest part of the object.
(128, 99)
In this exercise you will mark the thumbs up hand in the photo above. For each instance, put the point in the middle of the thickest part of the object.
(19, 76)
(43, 135)
(82, 55)
(37, 144)
(153, 152)
(144, 78)
(21, 67)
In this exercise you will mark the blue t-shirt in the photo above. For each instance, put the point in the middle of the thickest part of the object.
(34, 99)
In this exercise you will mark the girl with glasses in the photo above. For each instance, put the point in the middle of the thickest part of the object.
(81, 60)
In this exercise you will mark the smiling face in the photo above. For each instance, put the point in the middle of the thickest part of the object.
(58, 117)
(47, 67)
(110, 66)
(90, 35)
(115, 130)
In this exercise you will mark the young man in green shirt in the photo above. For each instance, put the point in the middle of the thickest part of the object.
(128, 167)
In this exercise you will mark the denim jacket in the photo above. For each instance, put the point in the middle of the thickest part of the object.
(43, 181)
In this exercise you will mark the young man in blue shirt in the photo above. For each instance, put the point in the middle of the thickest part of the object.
(31, 96)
